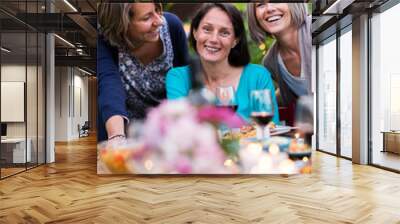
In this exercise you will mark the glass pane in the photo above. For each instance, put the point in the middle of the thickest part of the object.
(80, 101)
(41, 79)
(346, 94)
(327, 97)
(386, 89)
(31, 97)
(22, 63)
(13, 85)
(41, 99)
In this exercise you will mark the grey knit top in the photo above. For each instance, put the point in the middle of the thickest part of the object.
(271, 61)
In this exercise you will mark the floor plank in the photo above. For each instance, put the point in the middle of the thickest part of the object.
(70, 191)
(386, 159)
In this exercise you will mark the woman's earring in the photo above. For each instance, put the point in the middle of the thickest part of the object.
(234, 44)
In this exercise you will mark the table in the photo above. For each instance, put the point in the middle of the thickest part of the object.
(253, 157)
(13, 150)
(391, 141)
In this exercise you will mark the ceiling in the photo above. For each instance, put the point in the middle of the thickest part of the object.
(32, 17)
(76, 27)
(79, 27)
(332, 15)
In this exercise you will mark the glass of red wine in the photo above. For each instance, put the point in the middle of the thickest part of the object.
(226, 97)
(262, 110)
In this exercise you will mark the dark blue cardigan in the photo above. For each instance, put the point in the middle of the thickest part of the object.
(111, 94)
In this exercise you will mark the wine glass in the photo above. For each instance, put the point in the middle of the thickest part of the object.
(262, 110)
(304, 118)
(304, 121)
(226, 97)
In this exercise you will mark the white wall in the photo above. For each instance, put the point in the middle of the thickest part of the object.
(61, 103)
(71, 93)
(12, 101)
(80, 101)
(15, 72)
(33, 126)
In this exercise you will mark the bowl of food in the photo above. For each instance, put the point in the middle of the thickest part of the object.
(119, 158)
(298, 149)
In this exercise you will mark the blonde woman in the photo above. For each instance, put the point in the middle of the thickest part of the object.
(289, 58)
(136, 47)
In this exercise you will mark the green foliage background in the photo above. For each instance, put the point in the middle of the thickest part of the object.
(256, 53)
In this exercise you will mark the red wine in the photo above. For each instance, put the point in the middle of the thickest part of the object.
(262, 118)
(231, 107)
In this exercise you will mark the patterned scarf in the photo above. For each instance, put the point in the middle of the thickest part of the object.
(145, 84)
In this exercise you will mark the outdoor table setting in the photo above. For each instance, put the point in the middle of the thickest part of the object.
(180, 138)
(245, 154)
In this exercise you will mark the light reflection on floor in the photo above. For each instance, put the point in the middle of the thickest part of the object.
(386, 159)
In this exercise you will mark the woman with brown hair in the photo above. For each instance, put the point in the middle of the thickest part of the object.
(136, 47)
(217, 35)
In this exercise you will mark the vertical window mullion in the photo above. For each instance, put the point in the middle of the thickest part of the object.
(37, 90)
(317, 96)
(369, 79)
(338, 74)
(26, 86)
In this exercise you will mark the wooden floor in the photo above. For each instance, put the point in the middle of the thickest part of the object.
(69, 191)
(10, 171)
(5, 172)
(387, 159)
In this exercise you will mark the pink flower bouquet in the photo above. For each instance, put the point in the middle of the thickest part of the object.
(184, 137)
(179, 138)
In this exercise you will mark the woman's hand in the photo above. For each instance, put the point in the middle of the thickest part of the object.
(115, 128)
(116, 139)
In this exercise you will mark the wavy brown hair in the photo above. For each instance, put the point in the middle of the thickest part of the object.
(113, 23)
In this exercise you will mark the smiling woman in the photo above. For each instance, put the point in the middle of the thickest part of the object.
(217, 35)
(208, 34)
(289, 59)
(137, 45)
(220, 27)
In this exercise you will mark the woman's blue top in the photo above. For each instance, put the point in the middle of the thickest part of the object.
(253, 77)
